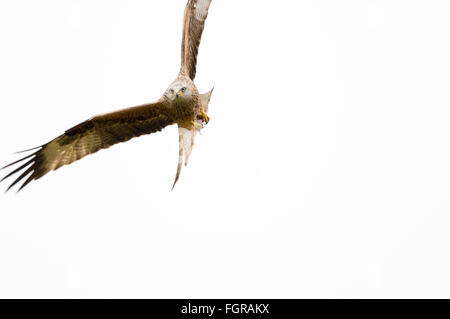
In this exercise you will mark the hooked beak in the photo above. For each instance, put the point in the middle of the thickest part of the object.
(178, 93)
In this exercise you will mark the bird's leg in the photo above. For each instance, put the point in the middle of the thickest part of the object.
(203, 116)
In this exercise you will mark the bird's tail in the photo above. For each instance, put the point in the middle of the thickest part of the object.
(186, 140)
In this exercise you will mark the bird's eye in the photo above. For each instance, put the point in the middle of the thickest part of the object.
(183, 89)
(171, 91)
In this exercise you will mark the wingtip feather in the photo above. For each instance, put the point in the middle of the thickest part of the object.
(21, 177)
(18, 161)
(31, 149)
(17, 170)
(30, 178)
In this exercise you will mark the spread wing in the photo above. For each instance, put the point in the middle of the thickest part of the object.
(194, 23)
(98, 133)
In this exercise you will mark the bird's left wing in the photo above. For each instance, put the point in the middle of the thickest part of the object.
(194, 22)
(100, 132)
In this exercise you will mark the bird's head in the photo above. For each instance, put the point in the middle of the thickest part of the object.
(180, 90)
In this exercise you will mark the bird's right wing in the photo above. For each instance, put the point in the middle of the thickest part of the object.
(100, 132)
(194, 22)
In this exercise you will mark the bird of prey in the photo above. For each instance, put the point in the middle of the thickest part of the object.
(181, 104)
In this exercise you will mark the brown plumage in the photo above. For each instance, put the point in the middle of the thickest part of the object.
(181, 104)
(194, 22)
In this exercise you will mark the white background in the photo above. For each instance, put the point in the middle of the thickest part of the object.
(324, 172)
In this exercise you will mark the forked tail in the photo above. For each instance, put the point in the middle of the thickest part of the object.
(186, 140)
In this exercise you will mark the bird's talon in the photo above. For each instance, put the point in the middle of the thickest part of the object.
(204, 117)
(197, 125)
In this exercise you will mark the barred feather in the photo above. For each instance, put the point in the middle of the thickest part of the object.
(89, 137)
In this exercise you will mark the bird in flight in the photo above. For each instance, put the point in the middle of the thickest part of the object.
(181, 104)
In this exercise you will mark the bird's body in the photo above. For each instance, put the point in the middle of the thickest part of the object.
(180, 104)
(186, 105)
